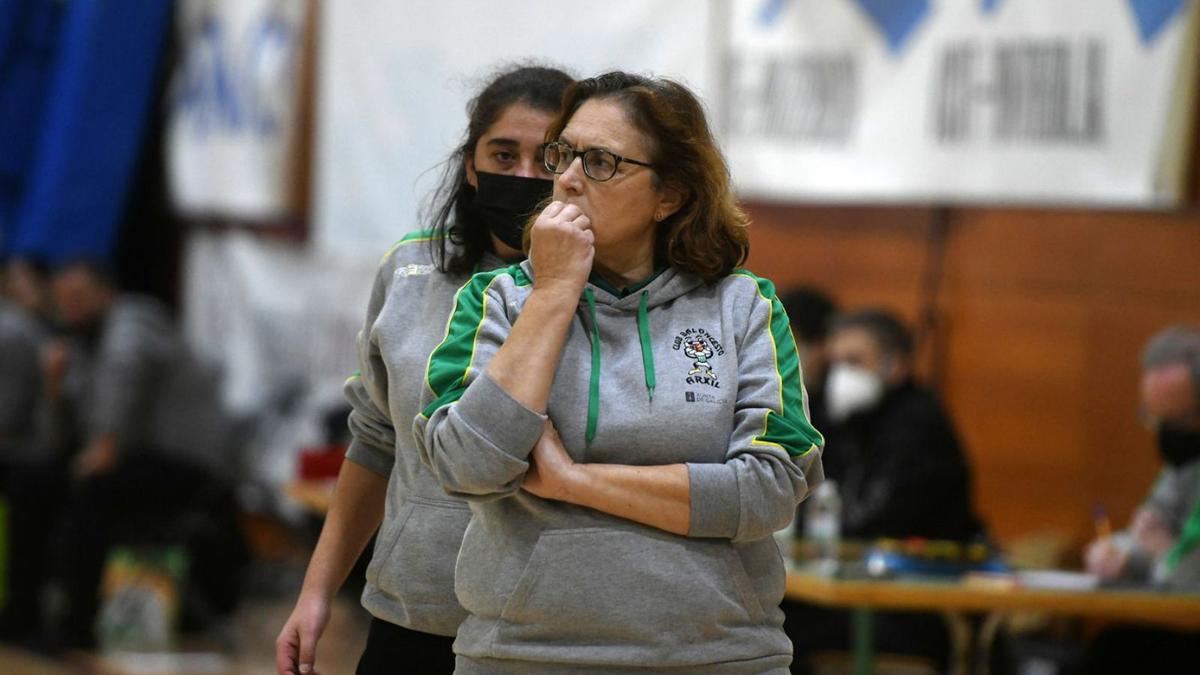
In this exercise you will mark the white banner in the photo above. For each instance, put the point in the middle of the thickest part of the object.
(394, 79)
(276, 315)
(961, 100)
(234, 108)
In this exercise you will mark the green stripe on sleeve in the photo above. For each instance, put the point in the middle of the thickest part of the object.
(411, 238)
(788, 427)
(1189, 538)
(451, 361)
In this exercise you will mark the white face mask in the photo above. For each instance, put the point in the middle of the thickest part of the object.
(851, 389)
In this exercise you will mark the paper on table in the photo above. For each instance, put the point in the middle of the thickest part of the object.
(1058, 580)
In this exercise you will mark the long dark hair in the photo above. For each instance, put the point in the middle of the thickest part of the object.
(449, 212)
(707, 235)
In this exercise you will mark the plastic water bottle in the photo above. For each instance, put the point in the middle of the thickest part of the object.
(823, 526)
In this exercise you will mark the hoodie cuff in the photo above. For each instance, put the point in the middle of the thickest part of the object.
(370, 458)
(499, 418)
(715, 500)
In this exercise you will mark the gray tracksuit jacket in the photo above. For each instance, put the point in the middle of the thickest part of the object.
(675, 371)
(140, 382)
(410, 579)
(1175, 497)
(21, 339)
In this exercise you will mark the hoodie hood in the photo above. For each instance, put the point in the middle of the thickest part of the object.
(661, 287)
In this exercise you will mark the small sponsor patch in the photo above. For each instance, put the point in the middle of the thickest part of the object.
(414, 270)
(699, 397)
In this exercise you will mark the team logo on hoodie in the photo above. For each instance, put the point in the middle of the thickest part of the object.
(700, 347)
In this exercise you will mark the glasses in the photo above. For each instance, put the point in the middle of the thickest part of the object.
(598, 164)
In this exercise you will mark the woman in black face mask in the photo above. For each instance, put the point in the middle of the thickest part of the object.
(490, 185)
(1162, 545)
(495, 180)
(1178, 444)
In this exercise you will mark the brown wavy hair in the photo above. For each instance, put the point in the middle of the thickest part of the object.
(707, 235)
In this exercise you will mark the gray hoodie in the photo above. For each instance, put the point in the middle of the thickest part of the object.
(1175, 497)
(139, 381)
(675, 371)
(21, 340)
(410, 580)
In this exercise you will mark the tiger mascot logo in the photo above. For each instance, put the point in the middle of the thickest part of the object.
(698, 350)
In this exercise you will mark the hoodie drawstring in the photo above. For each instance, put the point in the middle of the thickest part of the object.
(643, 324)
(647, 347)
(594, 381)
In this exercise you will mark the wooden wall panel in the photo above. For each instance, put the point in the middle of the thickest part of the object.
(1040, 315)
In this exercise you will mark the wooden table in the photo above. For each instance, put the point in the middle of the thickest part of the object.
(956, 600)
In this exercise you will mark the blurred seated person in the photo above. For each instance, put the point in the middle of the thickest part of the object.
(1162, 540)
(900, 471)
(144, 441)
(24, 329)
(811, 312)
(1162, 545)
(892, 448)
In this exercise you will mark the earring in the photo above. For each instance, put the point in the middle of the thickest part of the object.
(658, 216)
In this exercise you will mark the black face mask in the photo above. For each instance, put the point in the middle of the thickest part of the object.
(1178, 445)
(505, 203)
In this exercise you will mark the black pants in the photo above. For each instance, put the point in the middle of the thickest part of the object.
(148, 499)
(394, 649)
(814, 629)
(33, 494)
(1142, 650)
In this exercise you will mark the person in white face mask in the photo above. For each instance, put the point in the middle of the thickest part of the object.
(853, 389)
(899, 467)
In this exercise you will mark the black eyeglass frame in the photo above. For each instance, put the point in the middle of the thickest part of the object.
(582, 155)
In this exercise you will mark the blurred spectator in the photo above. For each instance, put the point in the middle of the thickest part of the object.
(134, 386)
(892, 448)
(143, 439)
(901, 472)
(24, 328)
(1161, 545)
(811, 311)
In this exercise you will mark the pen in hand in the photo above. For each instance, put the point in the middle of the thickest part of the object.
(1103, 526)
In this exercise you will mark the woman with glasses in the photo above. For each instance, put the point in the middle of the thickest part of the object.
(623, 412)
(492, 183)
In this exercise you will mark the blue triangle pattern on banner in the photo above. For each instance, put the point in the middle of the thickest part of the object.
(770, 11)
(1153, 15)
(990, 6)
(896, 18)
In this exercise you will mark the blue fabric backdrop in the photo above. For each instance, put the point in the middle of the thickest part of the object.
(80, 101)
